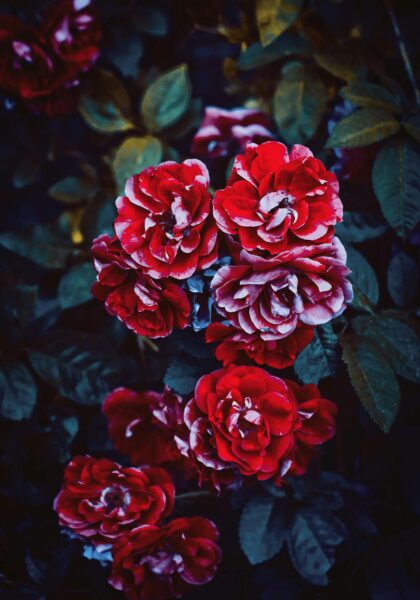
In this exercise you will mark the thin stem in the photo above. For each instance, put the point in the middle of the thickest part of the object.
(191, 496)
(403, 50)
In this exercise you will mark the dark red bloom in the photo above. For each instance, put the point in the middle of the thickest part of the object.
(159, 563)
(101, 500)
(274, 199)
(245, 418)
(164, 221)
(223, 132)
(305, 284)
(72, 29)
(142, 424)
(239, 347)
(148, 307)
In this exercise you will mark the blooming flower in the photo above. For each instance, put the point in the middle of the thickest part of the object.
(305, 284)
(157, 563)
(274, 198)
(164, 221)
(148, 307)
(100, 500)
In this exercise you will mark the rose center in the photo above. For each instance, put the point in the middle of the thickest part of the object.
(115, 496)
(272, 201)
(244, 418)
(163, 562)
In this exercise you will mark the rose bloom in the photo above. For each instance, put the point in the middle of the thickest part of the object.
(274, 199)
(164, 221)
(142, 424)
(148, 307)
(239, 347)
(244, 417)
(100, 500)
(224, 132)
(158, 563)
(72, 29)
(306, 284)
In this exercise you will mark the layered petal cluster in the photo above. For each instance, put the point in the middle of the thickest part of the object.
(142, 425)
(101, 500)
(275, 199)
(147, 306)
(164, 220)
(305, 284)
(238, 347)
(246, 419)
(223, 132)
(157, 563)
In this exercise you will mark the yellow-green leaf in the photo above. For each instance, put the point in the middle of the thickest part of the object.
(72, 190)
(134, 155)
(362, 128)
(341, 64)
(370, 95)
(274, 17)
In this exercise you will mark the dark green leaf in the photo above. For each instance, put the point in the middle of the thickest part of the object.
(72, 190)
(373, 379)
(341, 63)
(319, 359)
(134, 155)
(412, 127)
(150, 19)
(363, 278)
(274, 17)
(183, 374)
(126, 51)
(257, 55)
(358, 227)
(18, 392)
(362, 128)
(402, 279)
(299, 103)
(74, 288)
(27, 171)
(396, 181)
(371, 95)
(99, 217)
(262, 528)
(167, 99)
(39, 246)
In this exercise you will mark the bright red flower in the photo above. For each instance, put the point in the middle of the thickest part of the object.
(305, 284)
(142, 424)
(72, 29)
(164, 221)
(239, 347)
(101, 500)
(223, 132)
(158, 563)
(274, 199)
(148, 307)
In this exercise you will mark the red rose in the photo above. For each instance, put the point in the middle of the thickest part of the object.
(142, 424)
(239, 347)
(148, 307)
(72, 29)
(305, 284)
(164, 221)
(245, 418)
(158, 563)
(225, 131)
(101, 500)
(274, 198)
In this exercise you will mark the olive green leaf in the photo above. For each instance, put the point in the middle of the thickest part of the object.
(274, 17)
(371, 95)
(134, 155)
(362, 128)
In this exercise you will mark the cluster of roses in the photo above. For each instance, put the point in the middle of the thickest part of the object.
(43, 66)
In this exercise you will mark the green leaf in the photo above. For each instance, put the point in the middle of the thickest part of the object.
(373, 379)
(274, 17)
(262, 528)
(402, 279)
(105, 104)
(18, 392)
(257, 55)
(125, 49)
(362, 128)
(364, 280)
(38, 246)
(319, 359)
(149, 19)
(371, 95)
(312, 539)
(72, 190)
(299, 103)
(27, 171)
(79, 366)
(412, 127)
(182, 375)
(74, 288)
(167, 99)
(396, 181)
(99, 217)
(134, 155)
(398, 341)
(341, 63)
(359, 227)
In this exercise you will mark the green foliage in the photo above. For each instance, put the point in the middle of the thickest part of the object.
(72, 190)
(149, 19)
(320, 358)
(361, 128)
(299, 103)
(18, 392)
(274, 17)
(402, 279)
(134, 155)
(373, 379)
(371, 95)
(412, 127)
(396, 181)
(257, 55)
(27, 171)
(365, 283)
(74, 288)
(340, 62)
(359, 227)
(167, 99)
